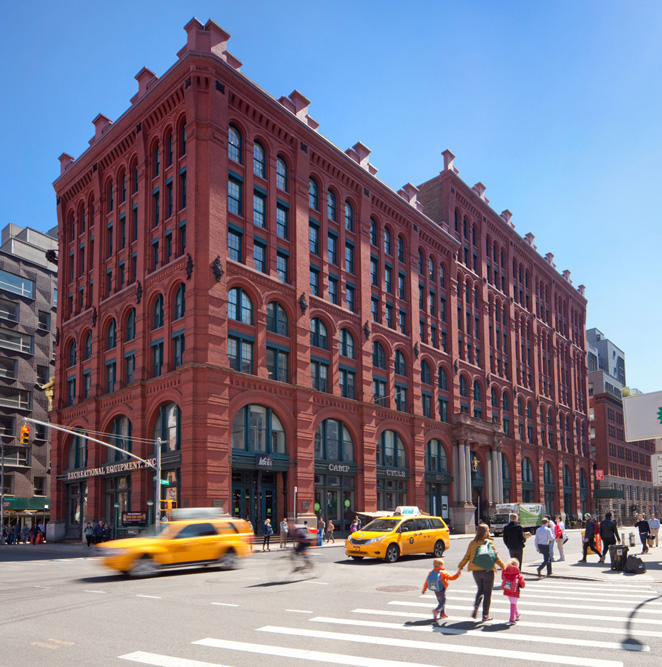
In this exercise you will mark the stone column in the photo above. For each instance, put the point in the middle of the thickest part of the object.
(467, 469)
(499, 477)
(489, 478)
(462, 462)
(456, 473)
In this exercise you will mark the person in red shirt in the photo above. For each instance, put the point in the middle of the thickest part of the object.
(437, 580)
(511, 583)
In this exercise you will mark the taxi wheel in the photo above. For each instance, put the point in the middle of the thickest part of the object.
(392, 553)
(357, 557)
(439, 547)
(144, 567)
(229, 560)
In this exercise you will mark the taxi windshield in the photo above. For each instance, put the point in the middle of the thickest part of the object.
(382, 525)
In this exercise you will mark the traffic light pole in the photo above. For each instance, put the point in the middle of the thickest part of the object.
(157, 495)
(2, 494)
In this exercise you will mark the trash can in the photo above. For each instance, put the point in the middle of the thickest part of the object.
(618, 554)
(320, 536)
(633, 542)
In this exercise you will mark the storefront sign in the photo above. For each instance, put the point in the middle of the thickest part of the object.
(264, 461)
(334, 467)
(134, 518)
(396, 473)
(108, 469)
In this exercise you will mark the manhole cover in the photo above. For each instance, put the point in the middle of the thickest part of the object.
(397, 589)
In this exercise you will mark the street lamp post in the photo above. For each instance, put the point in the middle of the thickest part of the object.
(2, 493)
(150, 504)
(117, 507)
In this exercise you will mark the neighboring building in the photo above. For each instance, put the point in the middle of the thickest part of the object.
(295, 331)
(28, 299)
(626, 466)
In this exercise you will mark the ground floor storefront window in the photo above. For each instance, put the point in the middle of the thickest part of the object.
(391, 493)
(255, 497)
(436, 500)
(335, 500)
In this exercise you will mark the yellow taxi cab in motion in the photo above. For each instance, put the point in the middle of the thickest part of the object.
(192, 538)
(390, 537)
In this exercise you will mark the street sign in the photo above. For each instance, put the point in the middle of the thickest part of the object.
(599, 474)
(165, 482)
(643, 416)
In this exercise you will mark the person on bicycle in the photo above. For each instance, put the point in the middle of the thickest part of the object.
(301, 540)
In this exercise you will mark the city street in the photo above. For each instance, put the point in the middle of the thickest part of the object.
(59, 606)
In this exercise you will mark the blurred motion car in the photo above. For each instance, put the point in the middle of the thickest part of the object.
(191, 538)
(389, 537)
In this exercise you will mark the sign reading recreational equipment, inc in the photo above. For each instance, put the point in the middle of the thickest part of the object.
(109, 469)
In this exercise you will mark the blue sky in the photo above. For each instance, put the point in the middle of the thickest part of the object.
(555, 107)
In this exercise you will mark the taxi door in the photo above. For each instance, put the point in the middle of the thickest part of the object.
(408, 537)
(195, 542)
(424, 536)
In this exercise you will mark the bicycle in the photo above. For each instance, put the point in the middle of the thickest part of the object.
(294, 564)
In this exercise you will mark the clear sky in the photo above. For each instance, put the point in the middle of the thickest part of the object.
(554, 106)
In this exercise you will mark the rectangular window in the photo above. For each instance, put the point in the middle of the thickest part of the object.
(314, 281)
(349, 258)
(282, 223)
(388, 279)
(333, 290)
(319, 375)
(109, 282)
(379, 392)
(9, 310)
(129, 367)
(177, 350)
(109, 239)
(443, 410)
(349, 297)
(71, 391)
(402, 321)
(426, 403)
(347, 381)
(277, 364)
(333, 249)
(401, 398)
(169, 202)
(259, 208)
(121, 276)
(234, 196)
(156, 207)
(110, 377)
(374, 271)
(401, 286)
(389, 316)
(155, 255)
(134, 231)
(134, 268)
(234, 244)
(282, 267)
(314, 239)
(157, 359)
(260, 257)
(44, 320)
(14, 398)
(168, 248)
(374, 306)
(182, 189)
(240, 354)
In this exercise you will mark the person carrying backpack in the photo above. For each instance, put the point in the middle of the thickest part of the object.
(437, 581)
(483, 560)
(511, 582)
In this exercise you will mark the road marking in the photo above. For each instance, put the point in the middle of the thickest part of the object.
(319, 583)
(440, 629)
(535, 589)
(152, 597)
(563, 605)
(89, 591)
(224, 604)
(596, 617)
(165, 660)
(446, 648)
(529, 624)
(598, 584)
(612, 599)
(61, 641)
(299, 611)
(43, 645)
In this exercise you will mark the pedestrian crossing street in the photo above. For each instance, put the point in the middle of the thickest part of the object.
(588, 624)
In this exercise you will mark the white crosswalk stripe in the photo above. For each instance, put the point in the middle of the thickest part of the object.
(575, 628)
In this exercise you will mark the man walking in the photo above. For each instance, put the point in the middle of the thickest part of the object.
(654, 525)
(589, 538)
(608, 534)
(544, 537)
(513, 538)
(644, 530)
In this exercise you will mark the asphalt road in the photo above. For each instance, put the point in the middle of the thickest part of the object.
(60, 607)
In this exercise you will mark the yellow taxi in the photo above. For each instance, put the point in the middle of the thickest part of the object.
(389, 537)
(192, 538)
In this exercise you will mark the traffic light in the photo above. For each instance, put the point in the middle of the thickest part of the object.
(25, 435)
(167, 505)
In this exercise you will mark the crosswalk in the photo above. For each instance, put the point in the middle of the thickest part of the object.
(586, 624)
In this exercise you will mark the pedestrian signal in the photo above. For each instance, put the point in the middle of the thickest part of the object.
(25, 435)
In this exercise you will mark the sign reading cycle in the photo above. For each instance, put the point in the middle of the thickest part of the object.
(109, 469)
(394, 472)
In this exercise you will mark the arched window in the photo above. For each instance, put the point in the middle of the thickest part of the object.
(180, 302)
(387, 241)
(331, 206)
(333, 442)
(313, 195)
(436, 459)
(281, 174)
(373, 232)
(401, 249)
(277, 320)
(442, 276)
(169, 146)
(157, 313)
(426, 375)
(87, 348)
(111, 336)
(319, 336)
(72, 353)
(520, 407)
(420, 263)
(495, 398)
(378, 355)
(346, 344)
(442, 379)
(256, 428)
(259, 163)
(120, 431)
(391, 450)
(505, 403)
(78, 452)
(240, 306)
(477, 393)
(182, 137)
(400, 363)
(548, 474)
(157, 161)
(529, 411)
(431, 268)
(527, 470)
(168, 427)
(349, 217)
(131, 325)
(463, 386)
(234, 144)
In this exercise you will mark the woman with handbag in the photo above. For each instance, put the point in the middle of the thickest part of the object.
(483, 560)
(267, 531)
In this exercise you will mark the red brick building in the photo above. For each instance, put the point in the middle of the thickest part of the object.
(301, 336)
